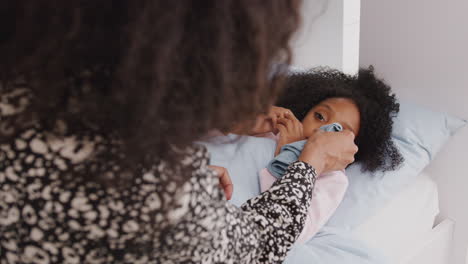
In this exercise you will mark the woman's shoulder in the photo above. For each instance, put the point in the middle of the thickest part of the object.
(204, 182)
(15, 97)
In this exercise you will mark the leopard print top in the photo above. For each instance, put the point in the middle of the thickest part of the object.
(47, 219)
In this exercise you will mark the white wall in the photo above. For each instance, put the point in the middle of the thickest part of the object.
(329, 35)
(421, 48)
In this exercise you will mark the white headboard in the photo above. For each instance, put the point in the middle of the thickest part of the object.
(329, 35)
(420, 47)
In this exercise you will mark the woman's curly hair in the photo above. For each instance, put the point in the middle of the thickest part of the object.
(154, 73)
(377, 107)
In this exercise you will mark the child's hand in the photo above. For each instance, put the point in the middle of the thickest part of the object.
(290, 129)
(225, 181)
(268, 123)
(276, 113)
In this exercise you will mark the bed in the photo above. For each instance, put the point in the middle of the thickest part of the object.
(404, 221)
(391, 233)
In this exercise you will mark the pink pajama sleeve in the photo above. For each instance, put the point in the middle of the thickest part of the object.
(328, 193)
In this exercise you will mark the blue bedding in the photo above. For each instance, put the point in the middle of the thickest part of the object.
(244, 157)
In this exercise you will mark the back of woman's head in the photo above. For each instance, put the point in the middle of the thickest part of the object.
(155, 73)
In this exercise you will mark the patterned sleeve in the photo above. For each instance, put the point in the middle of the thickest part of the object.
(280, 212)
(261, 231)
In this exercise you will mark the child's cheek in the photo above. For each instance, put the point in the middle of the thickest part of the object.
(309, 127)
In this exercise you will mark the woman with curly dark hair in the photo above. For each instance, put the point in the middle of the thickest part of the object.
(330, 100)
(100, 103)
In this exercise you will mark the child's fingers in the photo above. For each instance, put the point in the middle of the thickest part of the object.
(298, 128)
(285, 122)
(226, 184)
(297, 124)
(290, 116)
(280, 111)
(284, 113)
(274, 119)
(225, 181)
(282, 129)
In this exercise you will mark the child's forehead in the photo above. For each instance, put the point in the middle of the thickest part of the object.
(337, 102)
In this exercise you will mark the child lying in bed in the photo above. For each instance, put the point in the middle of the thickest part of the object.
(332, 101)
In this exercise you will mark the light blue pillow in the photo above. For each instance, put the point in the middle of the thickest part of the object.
(419, 133)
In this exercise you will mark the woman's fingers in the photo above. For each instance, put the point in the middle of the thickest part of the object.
(352, 146)
(225, 181)
(328, 151)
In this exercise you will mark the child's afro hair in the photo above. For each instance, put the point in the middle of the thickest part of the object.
(377, 107)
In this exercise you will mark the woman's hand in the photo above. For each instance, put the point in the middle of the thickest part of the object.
(224, 180)
(329, 151)
(268, 123)
(290, 129)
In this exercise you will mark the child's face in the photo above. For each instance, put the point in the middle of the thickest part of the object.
(333, 110)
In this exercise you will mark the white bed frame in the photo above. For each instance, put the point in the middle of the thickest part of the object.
(420, 47)
(435, 247)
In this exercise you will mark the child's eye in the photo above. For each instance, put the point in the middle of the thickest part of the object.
(319, 116)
